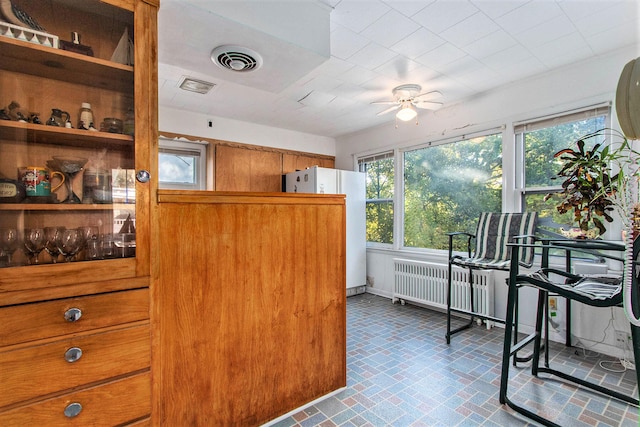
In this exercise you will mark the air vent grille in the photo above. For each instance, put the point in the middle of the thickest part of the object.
(236, 58)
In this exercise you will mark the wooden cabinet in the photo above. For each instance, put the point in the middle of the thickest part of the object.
(75, 344)
(240, 169)
(295, 162)
(250, 305)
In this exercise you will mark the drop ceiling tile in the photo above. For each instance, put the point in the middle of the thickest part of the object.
(439, 16)
(358, 75)
(493, 43)
(371, 56)
(344, 42)
(552, 29)
(506, 58)
(522, 69)
(417, 43)
(609, 18)
(528, 16)
(469, 30)
(408, 7)
(390, 29)
(440, 57)
(496, 8)
(576, 10)
(398, 68)
(358, 15)
(626, 34)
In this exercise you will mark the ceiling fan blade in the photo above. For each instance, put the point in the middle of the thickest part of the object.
(385, 102)
(388, 110)
(434, 94)
(427, 105)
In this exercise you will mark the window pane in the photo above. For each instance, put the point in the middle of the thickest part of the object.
(380, 221)
(540, 146)
(177, 168)
(448, 186)
(380, 183)
(541, 168)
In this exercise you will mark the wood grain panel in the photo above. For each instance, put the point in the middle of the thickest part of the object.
(252, 308)
(28, 322)
(106, 405)
(105, 355)
(240, 169)
(233, 171)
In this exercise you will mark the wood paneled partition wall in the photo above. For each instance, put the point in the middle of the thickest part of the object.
(249, 303)
(246, 167)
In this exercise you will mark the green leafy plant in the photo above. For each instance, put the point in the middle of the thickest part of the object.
(591, 190)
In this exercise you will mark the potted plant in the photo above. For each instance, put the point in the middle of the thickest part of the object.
(591, 189)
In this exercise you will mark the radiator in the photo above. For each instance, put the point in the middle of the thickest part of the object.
(426, 283)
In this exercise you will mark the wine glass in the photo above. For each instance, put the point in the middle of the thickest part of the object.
(69, 243)
(34, 241)
(69, 166)
(9, 242)
(89, 233)
(52, 235)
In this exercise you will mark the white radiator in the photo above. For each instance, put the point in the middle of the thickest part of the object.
(426, 283)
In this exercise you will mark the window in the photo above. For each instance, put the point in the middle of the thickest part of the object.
(539, 141)
(182, 165)
(379, 170)
(447, 186)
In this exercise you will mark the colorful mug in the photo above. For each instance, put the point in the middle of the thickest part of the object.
(37, 180)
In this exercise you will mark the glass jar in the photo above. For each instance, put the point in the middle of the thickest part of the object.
(85, 118)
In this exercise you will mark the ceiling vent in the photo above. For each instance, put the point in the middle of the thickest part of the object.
(195, 85)
(236, 58)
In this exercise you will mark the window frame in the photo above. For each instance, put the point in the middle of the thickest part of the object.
(195, 149)
(522, 127)
(400, 163)
(382, 155)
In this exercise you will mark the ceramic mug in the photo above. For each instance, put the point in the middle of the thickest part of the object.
(37, 180)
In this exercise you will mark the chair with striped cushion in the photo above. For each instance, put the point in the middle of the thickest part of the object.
(596, 291)
(493, 233)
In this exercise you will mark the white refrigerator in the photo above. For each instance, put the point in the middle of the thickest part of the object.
(352, 184)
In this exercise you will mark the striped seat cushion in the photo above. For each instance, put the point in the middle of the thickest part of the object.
(592, 288)
(493, 233)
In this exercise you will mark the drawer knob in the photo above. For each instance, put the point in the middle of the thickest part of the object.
(73, 314)
(73, 354)
(143, 176)
(72, 410)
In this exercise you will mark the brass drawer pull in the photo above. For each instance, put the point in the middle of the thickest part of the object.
(73, 354)
(73, 314)
(72, 410)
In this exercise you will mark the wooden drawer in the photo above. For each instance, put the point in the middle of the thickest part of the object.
(29, 322)
(42, 369)
(110, 404)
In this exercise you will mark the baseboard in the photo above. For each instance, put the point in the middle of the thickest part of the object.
(303, 407)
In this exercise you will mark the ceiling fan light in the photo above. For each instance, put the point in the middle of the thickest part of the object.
(406, 113)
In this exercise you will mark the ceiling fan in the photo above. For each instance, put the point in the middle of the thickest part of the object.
(406, 98)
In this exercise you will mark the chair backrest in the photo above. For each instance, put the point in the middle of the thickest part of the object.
(495, 230)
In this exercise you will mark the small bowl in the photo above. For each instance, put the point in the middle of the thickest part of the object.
(111, 125)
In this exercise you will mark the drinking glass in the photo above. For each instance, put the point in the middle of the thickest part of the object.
(89, 233)
(34, 241)
(9, 242)
(69, 243)
(52, 234)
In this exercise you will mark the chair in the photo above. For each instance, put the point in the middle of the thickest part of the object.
(493, 232)
(593, 291)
